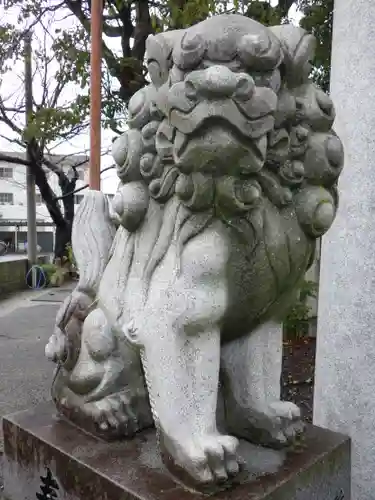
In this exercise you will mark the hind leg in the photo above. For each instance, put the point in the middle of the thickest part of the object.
(251, 370)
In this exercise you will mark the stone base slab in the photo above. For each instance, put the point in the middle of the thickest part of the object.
(44, 453)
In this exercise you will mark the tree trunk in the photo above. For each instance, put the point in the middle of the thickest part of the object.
(62, 241)
(64, 231)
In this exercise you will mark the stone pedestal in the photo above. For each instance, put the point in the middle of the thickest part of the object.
(44, 453)
(345, 359)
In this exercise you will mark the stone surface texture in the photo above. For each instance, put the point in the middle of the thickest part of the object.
(82, 467)
(228, 175)
(345, 359)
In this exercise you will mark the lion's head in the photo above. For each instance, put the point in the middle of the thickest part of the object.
(229, 119)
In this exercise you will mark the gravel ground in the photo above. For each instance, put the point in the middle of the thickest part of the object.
(297, 381)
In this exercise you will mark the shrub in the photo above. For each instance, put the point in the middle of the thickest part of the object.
(49, 270)
(296, 322)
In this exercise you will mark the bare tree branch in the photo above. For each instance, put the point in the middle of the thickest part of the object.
(14, 160)
(20, 109)
(14, 140)
(85, 186)
(5, 119)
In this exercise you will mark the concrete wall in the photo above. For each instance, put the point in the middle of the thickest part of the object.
(13, 274)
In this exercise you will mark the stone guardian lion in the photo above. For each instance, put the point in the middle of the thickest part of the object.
(228, 176)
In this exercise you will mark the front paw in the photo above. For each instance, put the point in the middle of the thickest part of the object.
(208, 460)
(114, 411)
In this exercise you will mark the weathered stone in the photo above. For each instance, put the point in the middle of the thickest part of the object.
(228, 175)
(82, 467)
(345, 359)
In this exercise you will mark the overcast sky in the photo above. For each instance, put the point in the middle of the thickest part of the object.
(12, 85)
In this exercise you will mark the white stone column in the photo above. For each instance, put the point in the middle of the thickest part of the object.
(345, 360)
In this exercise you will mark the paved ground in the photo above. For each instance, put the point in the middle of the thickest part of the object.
(25, 326)
(26, 322)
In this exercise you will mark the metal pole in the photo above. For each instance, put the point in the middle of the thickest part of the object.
(30, 179)
(95, 106)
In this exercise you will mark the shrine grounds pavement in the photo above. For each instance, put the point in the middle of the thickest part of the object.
(26, 322)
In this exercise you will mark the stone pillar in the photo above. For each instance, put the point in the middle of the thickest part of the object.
(345, 360)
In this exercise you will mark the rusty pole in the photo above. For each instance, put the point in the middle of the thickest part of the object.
(95, 97)
(30, 177)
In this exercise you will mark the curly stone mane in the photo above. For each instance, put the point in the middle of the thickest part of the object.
(286, 151)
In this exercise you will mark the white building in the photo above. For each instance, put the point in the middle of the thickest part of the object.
(13, 200)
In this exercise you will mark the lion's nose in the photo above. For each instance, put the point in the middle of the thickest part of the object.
(215, 82)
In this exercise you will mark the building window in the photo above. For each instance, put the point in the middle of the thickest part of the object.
(6, 173)
(38, 199)
(81, 174)
(78, 198)
(6, 198)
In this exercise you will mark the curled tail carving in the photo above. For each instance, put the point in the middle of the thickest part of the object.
(92, 238)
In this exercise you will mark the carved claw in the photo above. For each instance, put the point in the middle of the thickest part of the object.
(286, 421)
(275, 425)
(112, 412)
(209, 460)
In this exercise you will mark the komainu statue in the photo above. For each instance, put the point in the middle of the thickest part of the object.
(228, 175)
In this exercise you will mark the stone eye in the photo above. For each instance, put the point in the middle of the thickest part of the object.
(245, 87)
(190, 90)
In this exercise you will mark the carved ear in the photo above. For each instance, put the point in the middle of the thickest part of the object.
(190, 51)
(299, 49)
(260, 52)
(159, 55)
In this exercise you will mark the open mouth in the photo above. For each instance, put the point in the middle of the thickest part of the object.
(217, 144)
